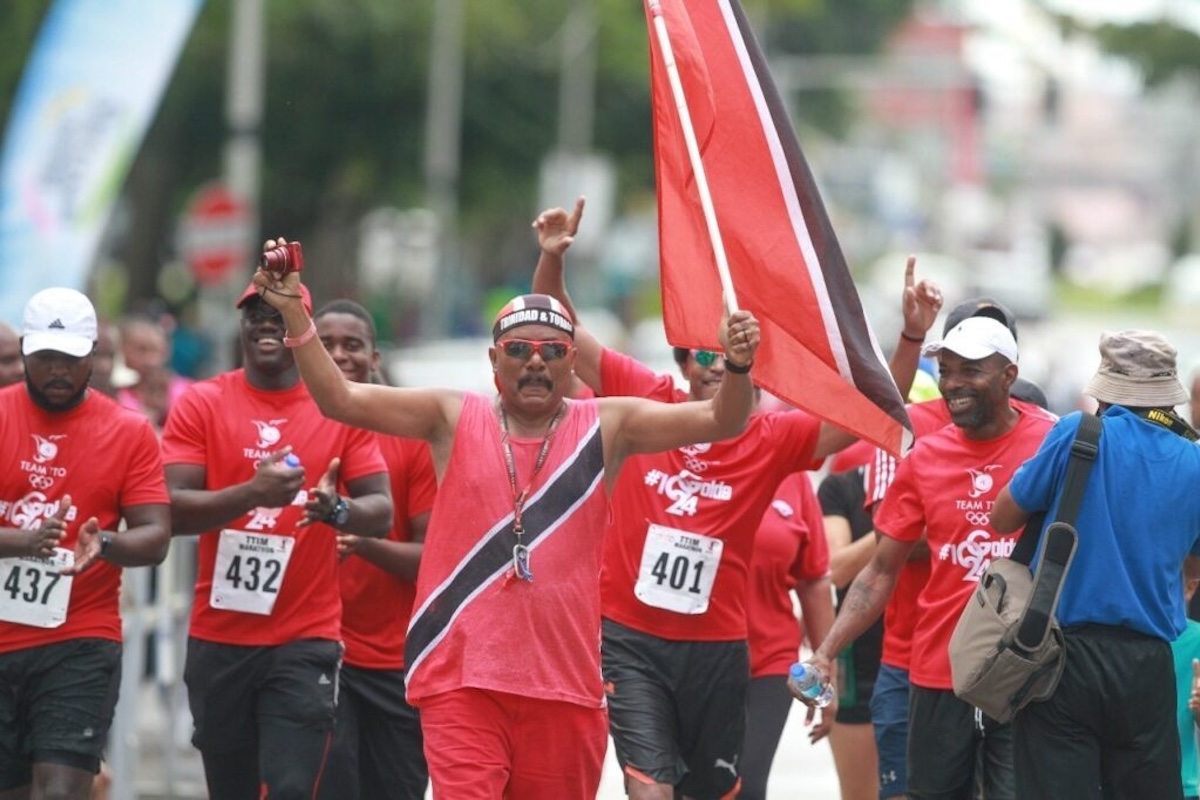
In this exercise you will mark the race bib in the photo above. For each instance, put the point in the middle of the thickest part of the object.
(678, 570)
(34, 592)
(249, 571)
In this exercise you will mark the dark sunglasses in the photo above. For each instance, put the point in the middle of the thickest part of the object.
(705, 358)
(524, 349)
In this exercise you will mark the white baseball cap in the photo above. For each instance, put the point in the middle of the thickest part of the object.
(975, 338)
(59, 319)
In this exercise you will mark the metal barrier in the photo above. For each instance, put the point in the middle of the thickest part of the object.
(149, 753)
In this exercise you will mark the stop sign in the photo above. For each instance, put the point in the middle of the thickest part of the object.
(214, 234)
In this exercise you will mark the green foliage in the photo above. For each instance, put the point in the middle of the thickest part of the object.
(19, 22)
(1160, 49)
(344, 124)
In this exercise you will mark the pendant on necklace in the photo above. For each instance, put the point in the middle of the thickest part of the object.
(521, 563)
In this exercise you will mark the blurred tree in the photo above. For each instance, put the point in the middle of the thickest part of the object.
(18, 26)
(1160, 49)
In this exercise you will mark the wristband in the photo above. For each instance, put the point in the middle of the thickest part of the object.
(105, 541)
(913, 339)
(303, 338)
(743, 369)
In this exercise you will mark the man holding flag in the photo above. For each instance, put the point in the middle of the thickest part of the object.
(677, 552)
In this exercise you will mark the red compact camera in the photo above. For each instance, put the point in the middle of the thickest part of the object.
(280, 261)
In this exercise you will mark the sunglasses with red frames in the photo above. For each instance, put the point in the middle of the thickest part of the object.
(524, 349)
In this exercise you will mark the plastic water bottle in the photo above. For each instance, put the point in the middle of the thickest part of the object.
(804, 679)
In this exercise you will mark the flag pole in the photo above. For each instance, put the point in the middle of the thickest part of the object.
(693, 148)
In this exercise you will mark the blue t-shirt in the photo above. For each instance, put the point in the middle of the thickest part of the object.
(1185, 648)
(1139, 519)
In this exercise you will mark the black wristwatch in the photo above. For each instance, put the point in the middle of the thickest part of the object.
(340, 513)
(105, 541)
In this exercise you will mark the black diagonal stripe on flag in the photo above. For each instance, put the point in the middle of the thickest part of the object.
(570, 486)
(869, 374)
(817, 351)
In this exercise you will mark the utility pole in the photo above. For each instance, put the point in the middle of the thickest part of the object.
(443, 142)
(577, 78)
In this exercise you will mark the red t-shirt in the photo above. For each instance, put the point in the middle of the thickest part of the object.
(478, 626)
(790, 547)
(107, 459)
(226, 426)
(945, 490)
(376, 605)
(900, 615)
(677, 551)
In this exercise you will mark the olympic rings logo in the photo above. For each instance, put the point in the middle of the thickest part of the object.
(42, 482)
(979, 518)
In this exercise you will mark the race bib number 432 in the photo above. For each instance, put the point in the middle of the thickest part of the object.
(678, 570)
(33, 591)
(249, 571)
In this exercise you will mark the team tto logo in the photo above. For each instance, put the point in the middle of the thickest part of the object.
(45, 448)
(268, 432)
(981, 481)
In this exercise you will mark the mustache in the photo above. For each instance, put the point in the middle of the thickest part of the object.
(538, 380)
(57, 383)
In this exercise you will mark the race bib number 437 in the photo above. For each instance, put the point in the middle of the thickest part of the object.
(33, 590)
(249, 571)
(678, 570)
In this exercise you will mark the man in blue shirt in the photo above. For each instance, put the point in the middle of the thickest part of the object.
(1109, 730)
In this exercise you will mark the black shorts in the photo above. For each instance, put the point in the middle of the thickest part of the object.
(952, 747)
(56, 706)
(676, 710)
(378, 751)
(231, 688)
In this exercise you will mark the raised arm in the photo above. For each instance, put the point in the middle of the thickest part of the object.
(556, 229)
(637, 425)
(920, 303)
(428, 414)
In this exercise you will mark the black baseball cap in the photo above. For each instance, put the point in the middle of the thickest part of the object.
(981, 307)
(1030, 392)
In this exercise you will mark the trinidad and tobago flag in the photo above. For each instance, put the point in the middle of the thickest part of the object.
(817, 351)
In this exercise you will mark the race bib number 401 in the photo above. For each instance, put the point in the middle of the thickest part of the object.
(33, 591)
(678, 570)
(249, 571)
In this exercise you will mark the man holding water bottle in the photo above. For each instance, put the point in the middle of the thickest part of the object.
(264, 651)
(944, 490)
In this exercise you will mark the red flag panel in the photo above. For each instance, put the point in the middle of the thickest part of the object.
(818, 351)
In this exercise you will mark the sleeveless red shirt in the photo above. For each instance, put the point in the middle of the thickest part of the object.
(475, 624)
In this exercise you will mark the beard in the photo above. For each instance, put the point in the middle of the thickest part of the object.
(44, 402)
(977, 415)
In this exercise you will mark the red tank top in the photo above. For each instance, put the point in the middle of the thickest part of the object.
(475, 624)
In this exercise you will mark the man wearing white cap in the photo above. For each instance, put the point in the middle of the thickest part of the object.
(1109, 730)
(944, 492)
(75, 464)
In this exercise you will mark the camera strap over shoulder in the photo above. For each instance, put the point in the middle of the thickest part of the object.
(1060, 540)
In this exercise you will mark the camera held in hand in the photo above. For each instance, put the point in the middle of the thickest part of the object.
(282, 260)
